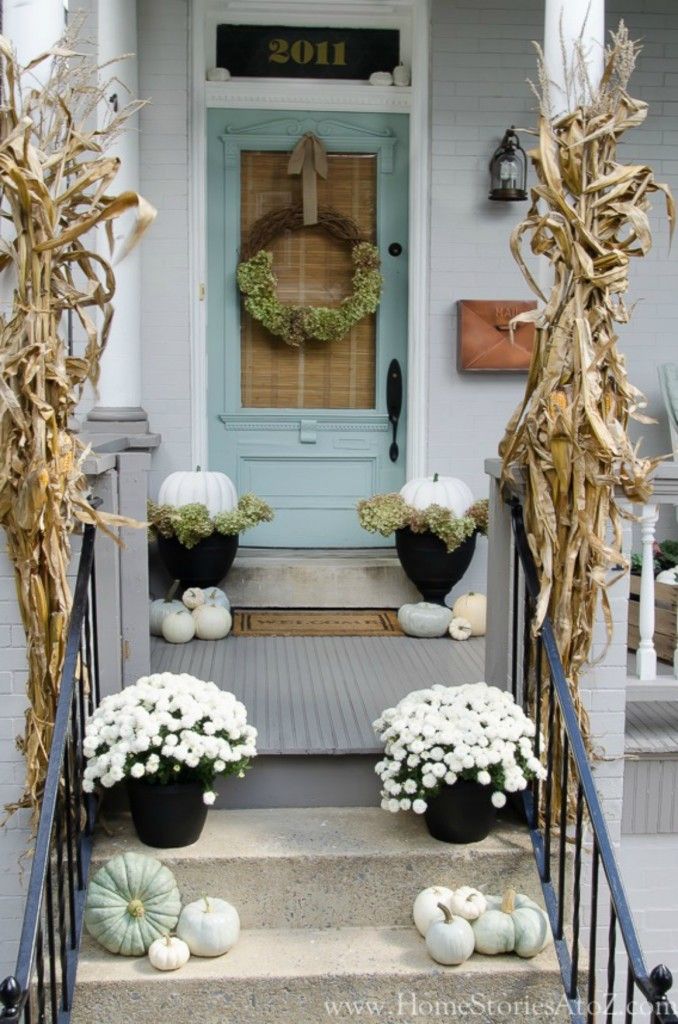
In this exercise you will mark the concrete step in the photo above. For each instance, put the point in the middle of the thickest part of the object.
(316, 578)
(314, 867)
(306, 976)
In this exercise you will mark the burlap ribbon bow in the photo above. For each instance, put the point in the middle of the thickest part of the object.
(309, 158)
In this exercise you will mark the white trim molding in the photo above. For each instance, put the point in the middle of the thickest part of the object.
(196, 232)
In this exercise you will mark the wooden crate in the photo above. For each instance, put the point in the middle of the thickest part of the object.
(665, 618)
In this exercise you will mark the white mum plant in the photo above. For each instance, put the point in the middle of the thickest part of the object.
(435, 737)
(168, 728)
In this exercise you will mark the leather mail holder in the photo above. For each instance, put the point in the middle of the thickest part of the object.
(485, 343)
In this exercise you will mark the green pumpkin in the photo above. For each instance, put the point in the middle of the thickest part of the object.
(512, 923)
(132, 901)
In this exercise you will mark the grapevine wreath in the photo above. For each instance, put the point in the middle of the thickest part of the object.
(297, 324)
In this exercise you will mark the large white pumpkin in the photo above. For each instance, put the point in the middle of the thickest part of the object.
(209, 927)
(214, 490)
(473, 608)
(446, 491)
(212, 622)
(159, 609)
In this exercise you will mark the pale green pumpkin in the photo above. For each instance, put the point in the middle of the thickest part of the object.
(132, 901)
(511, 924)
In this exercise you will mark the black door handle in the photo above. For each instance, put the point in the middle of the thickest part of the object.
(394, 403)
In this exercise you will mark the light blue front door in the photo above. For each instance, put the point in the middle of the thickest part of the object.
(306, 429)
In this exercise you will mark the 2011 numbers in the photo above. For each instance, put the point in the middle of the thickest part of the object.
(301, 51)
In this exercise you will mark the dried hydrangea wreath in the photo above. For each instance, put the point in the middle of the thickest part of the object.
(297, 324)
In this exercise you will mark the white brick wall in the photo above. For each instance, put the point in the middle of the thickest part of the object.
(648, 866)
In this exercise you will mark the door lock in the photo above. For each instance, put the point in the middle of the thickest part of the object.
(395, 249)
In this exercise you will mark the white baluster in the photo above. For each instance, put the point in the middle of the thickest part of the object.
(646, 656)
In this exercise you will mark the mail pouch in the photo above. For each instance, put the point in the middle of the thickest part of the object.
(485, 342)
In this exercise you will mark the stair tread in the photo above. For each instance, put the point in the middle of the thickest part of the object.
(312, 832)
(310, 953)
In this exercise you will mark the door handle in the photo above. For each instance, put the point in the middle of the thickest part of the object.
(394, 404)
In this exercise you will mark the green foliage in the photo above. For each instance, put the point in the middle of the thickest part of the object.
(665, 556)
(192, 523)
(297, 324)
(386, 513)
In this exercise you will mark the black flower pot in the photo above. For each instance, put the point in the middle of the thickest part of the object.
(432, 568)
(204, 565)
(167, 816)
(462, 813)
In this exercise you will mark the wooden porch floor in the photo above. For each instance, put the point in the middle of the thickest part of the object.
(320, 695)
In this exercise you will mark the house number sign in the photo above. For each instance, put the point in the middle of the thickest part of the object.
(261, 51)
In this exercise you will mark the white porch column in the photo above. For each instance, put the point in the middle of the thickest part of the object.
(573, 19)
(119, 402)
(646, 655)
(33, 26)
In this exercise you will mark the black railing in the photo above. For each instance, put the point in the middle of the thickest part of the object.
(609, 981)
(41, 989)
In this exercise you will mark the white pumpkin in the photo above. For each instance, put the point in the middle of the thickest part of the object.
(669, 576)
(215, 596)
(424, 619)
(159, 609)
(193, 597)
(473, 608)
(460, 629)
(212, 622)
(513, 923)
(467, 902)
(446, 491)
(209, 926)
(168, 953)
(178, 627)
(426, 908)
(214, 490)
(451, 940)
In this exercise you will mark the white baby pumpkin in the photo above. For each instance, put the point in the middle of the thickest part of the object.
(512, 923)
(193, 597)
(460, 629)
(451, 940)
(159, 609)
(209, 926)
(215, 596)
(214, 490)
(467, 902)
(424, 619)
(178, 627)
(473, 608)
(669, 576)
(212, 622)
(426, 908)
(168, 953)
(446, 491)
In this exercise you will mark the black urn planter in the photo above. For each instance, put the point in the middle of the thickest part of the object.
(204, 565)
(432, 568)
(462, 813)
(167, 816)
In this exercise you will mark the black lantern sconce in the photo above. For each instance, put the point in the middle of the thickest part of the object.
(508, 170)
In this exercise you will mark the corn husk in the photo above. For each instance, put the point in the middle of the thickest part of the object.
(56, 185)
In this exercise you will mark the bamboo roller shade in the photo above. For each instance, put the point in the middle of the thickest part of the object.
(312, 268)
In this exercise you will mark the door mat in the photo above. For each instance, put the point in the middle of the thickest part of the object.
(325, 622)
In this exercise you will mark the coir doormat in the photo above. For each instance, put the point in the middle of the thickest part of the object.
(325, 622)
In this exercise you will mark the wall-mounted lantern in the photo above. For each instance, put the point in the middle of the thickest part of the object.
(508, 169)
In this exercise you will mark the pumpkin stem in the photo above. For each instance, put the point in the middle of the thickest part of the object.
(208, 909)
(168, 938)
(435, 478)
(169, 596)
(508, 903)
(197, 469)
(447, 914)
(135, 908)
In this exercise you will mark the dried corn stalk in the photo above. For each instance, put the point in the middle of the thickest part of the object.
(55, 188)
(569, 435)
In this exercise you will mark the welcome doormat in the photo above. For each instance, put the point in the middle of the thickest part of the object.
(325, 622)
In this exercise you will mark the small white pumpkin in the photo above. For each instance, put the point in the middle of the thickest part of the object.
(424, 619)
(512, 923)
(162, 607)
(214, 490)
(193, 597)
(168, 953)
(451, 940)
(426, 908)
(467, 902)
(212, 622)
(473, 608)
(209, 926)
(669, 576)
(460, 629)
(215, 596)
(178, 627)
(446, 491)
